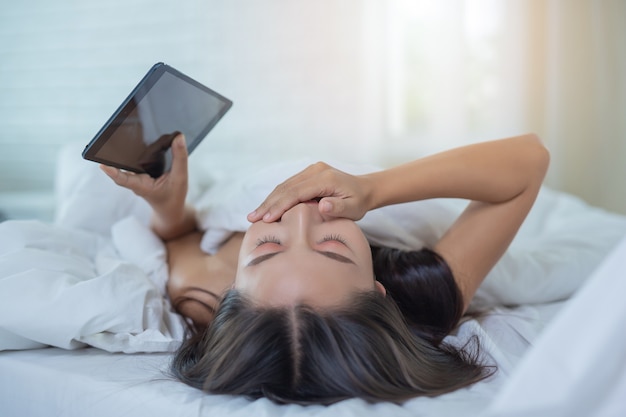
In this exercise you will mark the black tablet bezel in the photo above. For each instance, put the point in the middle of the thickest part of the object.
(130, 103)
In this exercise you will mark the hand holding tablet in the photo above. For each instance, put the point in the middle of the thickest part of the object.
(166, 102)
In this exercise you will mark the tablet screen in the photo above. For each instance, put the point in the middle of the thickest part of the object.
(139, 134)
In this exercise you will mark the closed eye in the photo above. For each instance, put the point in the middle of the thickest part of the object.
(335, 238)
(327, 238)
(267, 239)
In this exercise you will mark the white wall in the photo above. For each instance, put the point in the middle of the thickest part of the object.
(325, 78)
(300, 74)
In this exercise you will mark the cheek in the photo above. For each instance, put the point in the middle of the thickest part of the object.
(247, 245)
(246, 282)
(255, 232)
(361, 246)
(241, 282)
(365, 254)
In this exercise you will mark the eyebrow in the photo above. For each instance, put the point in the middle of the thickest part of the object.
(331, 255)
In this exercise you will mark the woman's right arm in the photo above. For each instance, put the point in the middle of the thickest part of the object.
(191, 293)
(171, 217)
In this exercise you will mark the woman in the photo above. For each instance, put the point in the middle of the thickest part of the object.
(301, 309)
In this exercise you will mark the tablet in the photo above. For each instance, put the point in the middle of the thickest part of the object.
(166, 102)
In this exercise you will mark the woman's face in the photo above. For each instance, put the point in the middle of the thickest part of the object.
(304, 258)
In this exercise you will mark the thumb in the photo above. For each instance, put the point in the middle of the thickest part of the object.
(179, 153)
(337, 207)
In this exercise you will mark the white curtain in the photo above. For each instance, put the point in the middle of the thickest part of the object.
(297, 71)
(468, 70)
(578, 102)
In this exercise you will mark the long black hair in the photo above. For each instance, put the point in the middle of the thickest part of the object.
(378, 348)
(422, 285)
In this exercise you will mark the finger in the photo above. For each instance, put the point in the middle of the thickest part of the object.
(110, 171)
(273, 208)
(179, 157)
(339, 207)
(283, 198)
(263, 209)
(136, 183)
(303, 186)
(328, 206)
(332, 207)
(116, 174)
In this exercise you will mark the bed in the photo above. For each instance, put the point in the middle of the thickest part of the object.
(86, 328)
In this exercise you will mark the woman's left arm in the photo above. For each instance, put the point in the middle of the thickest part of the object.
(501, 179)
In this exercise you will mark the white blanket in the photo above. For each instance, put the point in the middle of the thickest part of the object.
(70, 288)
(577, 367)
(97, 275)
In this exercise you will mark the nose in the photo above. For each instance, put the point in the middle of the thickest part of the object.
(300, 219)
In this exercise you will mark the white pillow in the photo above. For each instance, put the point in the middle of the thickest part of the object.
(89, 200)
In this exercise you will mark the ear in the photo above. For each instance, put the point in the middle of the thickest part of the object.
(380, 288)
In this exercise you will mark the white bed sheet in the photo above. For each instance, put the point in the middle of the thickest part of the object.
(92, 382)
